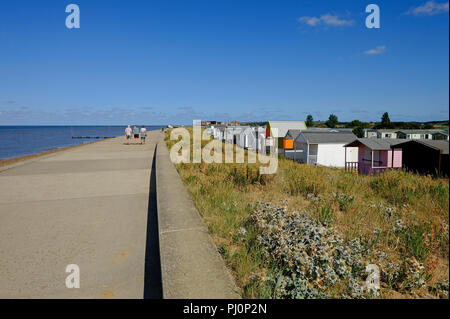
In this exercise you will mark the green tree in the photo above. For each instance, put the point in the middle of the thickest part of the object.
(309, 121)
(332, 121)
(385, 120)
(358, 131)
(355, 123)
(365, 125)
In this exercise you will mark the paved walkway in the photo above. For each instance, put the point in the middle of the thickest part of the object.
(86, 206)
(99, 206)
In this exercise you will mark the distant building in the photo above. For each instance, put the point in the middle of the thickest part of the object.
(234, 123)
(440, 135)
(384, 133)
(415, 134)
(328, 129)
(208, 123)
(370, 133)
(406, 134)
(380, 133)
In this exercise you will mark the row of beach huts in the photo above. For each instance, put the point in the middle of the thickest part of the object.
(423, 152)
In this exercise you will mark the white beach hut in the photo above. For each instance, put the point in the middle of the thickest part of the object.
(252, 138)
(324, 148)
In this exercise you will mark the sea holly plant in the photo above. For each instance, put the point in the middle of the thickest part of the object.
(312, 258)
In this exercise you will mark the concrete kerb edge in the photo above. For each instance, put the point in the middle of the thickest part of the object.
(161, 144)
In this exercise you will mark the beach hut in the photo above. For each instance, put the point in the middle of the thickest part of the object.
(277, 130)
(374, 155)
(260, 139)
(210, 130)
(246, 138)
(325, 148)
(232, 133)
(428, 157)
(288, 144)
(252, 138)
(219, 133)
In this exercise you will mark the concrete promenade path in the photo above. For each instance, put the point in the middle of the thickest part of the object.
(120, 212)
(93, 206)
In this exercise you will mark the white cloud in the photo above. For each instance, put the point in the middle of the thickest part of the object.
(429, 8)
(326, 19)
(378, 50)
(311, 21)
(335, 21)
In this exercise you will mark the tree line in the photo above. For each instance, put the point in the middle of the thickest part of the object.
(359, 126)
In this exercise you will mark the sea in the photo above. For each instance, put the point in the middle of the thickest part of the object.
(16, 141)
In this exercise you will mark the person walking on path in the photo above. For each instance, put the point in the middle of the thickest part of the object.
(128, 132)
(136, 134)
(143, 134)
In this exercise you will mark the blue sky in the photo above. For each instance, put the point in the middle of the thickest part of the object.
(160, 62)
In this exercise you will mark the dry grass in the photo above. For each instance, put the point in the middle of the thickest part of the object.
(356, 205)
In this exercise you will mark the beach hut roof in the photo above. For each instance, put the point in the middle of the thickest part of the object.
(435, 144)
(419, 131)
(293, 134)
(376, 144)
(441, 132)
(284, 126)
(334, 137)
(387, 130)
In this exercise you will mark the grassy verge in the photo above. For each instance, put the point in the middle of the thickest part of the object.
(309, 232)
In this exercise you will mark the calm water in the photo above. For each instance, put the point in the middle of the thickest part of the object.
(18, 141)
